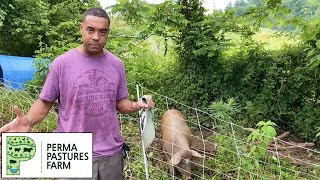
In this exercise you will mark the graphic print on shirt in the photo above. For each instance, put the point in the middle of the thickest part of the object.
(94, 92)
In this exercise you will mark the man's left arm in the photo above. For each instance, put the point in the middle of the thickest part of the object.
(126, 106)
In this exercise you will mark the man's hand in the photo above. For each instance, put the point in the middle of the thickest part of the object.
(126, 106)
(20, 124)
(146, 102)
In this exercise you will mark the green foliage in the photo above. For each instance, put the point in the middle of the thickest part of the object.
(311, 9)
(162, 19)
(272, 82)
(264, 135)
(45, 55)
(24, 100)
(65, 18)
(223, 111)
(62, 35)
(185, 23)
(261, 12)
(199, 46)
(132, 11)
(21, 26)
(11, 98)
(226, 154)
(176, 50)
(277, 14)
(135, 168)
(251, 156)
(266, 84)
(311, 36)
(271, 10)
(318, 134)
(4, 8)
(23, 21)
(145, 68)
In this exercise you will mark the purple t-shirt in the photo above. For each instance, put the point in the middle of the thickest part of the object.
(87, 90)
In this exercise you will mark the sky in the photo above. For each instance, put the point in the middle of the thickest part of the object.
(208, 4)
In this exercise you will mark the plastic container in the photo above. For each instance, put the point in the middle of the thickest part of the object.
(15, 71)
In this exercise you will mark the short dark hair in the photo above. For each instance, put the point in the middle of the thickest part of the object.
(96, 11)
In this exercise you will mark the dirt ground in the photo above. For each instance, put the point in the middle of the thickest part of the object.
(305, 156)
(300, 156)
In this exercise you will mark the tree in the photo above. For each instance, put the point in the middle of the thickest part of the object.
(228, 7)
(198, 41)
(22, 22)
(240, 7)
(199, 46)
(64, 20)
(62, 34)
(311, 9)
(21, 26)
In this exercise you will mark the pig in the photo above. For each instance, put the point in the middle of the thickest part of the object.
(177, 140)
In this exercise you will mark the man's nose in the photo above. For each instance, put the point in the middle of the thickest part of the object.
(95, 36)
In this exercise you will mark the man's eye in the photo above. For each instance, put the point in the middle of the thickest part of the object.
(103, 33)
(90, 30)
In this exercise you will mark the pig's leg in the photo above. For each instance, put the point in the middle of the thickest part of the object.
(171, 168)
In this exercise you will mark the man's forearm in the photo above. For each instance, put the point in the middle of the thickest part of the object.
(126, 106)
(38, 111)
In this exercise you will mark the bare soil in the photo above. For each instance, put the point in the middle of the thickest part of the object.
(299, 156)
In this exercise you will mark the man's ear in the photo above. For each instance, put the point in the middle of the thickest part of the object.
(81, 26)
(196, 154)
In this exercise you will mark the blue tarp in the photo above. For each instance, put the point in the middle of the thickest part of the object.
(16, 70)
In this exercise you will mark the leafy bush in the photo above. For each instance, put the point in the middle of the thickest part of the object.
(273, 85)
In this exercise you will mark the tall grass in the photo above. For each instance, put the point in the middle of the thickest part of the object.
(9, 98)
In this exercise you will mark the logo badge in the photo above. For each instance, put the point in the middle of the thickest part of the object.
(46, 155)
(18, 148)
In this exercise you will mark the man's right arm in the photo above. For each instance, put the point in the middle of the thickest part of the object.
(23, 123)
(38, 111)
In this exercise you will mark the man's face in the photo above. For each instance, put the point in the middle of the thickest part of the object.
(95, 32)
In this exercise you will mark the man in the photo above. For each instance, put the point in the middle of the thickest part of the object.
(91, 87)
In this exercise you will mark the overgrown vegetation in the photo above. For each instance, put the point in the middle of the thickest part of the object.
(24, 100)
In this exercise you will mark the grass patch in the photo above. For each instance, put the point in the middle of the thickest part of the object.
(9, 98)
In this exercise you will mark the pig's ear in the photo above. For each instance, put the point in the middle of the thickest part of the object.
(196, 154)
(175, 159)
